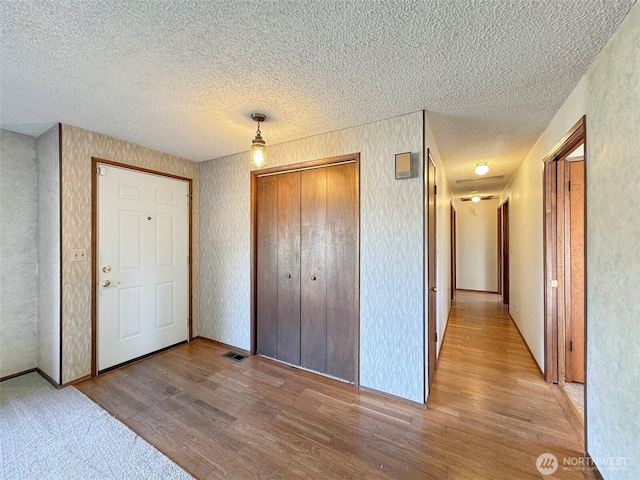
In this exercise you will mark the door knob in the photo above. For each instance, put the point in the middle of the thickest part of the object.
(106, 283)
(288, 275)
(313, 278)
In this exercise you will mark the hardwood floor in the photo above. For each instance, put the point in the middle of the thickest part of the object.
(490, 414)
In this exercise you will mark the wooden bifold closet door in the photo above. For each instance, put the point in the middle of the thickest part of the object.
(307, 252)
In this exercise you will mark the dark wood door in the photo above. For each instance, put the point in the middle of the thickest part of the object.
(288, 275)
(342, 271)
(499, 229)
(278, 267)
(307, 268)
(454, 269)
(328, 270)
(267, 266)
(314, 269)
(431, 251)
(576, 302)
(505, 253)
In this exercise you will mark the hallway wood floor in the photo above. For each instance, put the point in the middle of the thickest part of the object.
(490, 414)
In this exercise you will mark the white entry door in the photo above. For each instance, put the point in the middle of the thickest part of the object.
(143, 266)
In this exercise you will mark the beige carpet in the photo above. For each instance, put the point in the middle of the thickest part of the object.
(62, 434)
(575, 392)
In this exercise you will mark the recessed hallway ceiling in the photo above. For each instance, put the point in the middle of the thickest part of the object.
(183, 76)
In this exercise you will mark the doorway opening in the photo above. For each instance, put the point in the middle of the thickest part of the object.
(140, 260)
(454, 268)
(565, 267)
(430, 225)
(503, 251)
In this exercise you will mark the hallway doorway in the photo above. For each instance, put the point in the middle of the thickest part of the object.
(565, 268)
(454, 269)
(503, 251)
(432, 333)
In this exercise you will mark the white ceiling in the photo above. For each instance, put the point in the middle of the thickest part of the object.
(183, 76)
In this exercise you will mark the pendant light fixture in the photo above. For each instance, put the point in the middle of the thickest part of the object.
(258, 147)
(482, 168)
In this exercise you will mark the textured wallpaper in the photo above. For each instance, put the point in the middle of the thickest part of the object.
(391, 248)
(613, 261)
(18, 253)
(48, 152)
(78, 146)
(224, 299)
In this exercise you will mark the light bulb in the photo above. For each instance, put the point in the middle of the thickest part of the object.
(475, 198)
(482, 169)
(258, 147)
(258, 157)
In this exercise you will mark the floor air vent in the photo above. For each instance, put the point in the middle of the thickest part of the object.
(235, 356)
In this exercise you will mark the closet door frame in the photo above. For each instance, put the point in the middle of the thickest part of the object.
(325, 162)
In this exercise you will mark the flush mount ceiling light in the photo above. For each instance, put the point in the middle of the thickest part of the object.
(475, 198)
(258, 147)
(482, 168)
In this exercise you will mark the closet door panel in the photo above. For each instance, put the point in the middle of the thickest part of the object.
(313, 269)
(342, 238)
(287, 279)
(267, 267)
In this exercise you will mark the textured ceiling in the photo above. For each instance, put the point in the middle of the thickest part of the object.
(183, 76)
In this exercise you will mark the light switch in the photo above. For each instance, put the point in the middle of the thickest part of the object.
(79, 255)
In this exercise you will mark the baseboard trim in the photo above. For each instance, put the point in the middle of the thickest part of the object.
(535, 362)
(444, 334)
(19, 374)
(595, 470)
(395, 398)
(223, 345)
(48, 378)
(476, 291)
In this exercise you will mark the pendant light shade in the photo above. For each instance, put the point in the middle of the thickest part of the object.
(482, 168)
(258, 147)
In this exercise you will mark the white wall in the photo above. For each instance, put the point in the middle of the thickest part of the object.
(477, 245)
(613, 252)
(48, 153)
(391, 248)
(18, 253)
(526, 254)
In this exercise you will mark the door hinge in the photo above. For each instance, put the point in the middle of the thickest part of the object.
(569, 185)
(435, 337)
(435, 189)
(189, 196)
(571, 346)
